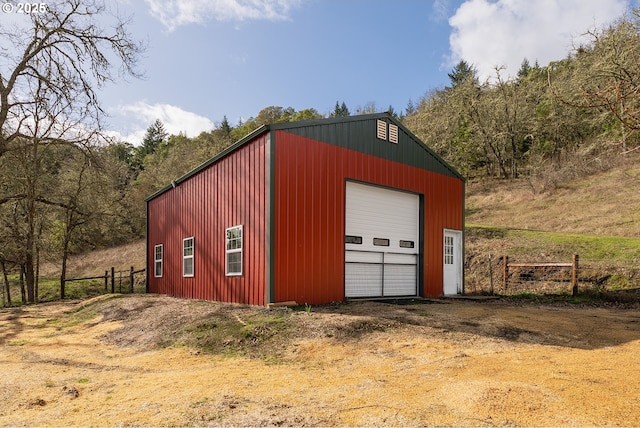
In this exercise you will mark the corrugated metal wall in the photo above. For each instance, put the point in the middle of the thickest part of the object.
(231, 191)
(309, 204)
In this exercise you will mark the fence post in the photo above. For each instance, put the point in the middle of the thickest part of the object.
(491, 272)
(106, 279)
(574, 276)
(131, 279)
(505, 271)
(113, 279)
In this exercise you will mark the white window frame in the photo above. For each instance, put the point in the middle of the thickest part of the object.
(186, 257)
(235, 250)
(448, 250)
(157, 262)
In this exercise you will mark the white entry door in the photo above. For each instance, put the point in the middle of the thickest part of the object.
(452, 252)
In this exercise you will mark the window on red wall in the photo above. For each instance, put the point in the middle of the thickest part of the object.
(188, 250)
(233, 247)
(157, 261)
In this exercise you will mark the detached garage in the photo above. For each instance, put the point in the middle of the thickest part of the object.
(312, 212)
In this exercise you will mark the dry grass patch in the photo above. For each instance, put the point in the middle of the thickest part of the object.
(154, 360)
(96, 262)
(606, 203)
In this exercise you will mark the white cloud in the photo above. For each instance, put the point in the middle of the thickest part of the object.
(489, 34)
(174, 13)
(175, 120)
(440, 10)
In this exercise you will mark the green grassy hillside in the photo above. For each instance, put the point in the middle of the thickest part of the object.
(596, 217)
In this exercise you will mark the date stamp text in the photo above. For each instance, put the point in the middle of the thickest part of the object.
(24, 8)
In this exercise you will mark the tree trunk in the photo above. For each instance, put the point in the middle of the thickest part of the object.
(6, 282)
(514, 158)
(22, 289)
(37, 273)
(30, 237)
(623, 128)
(66, 242)
(63, 271)
(30, 276)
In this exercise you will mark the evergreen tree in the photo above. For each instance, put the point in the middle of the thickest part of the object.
(154, 137)
(462, 73)
(525, 69)
(340, 110)
(411, 108)
(225, 127)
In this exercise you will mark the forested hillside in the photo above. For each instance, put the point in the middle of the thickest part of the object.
(64, 193)
(553, 122)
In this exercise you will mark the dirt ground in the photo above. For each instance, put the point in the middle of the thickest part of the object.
(135, 360)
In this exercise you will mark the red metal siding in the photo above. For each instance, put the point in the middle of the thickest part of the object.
(230, 192)
(309, 219)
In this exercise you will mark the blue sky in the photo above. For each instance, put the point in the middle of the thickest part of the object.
(210, 58)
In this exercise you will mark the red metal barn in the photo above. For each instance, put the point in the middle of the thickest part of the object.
(311, 212)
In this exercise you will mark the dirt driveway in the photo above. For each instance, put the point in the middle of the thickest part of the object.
(153, 360)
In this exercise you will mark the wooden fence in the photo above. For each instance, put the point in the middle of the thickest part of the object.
(523, 273)
(111, 277)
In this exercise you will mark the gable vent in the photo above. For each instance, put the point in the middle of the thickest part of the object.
(382, 130)
(393, 133)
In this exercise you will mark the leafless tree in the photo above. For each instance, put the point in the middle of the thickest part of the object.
(49, 82)
(606, 75)
(54, 62)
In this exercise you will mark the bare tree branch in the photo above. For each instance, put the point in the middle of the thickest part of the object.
(70, 57)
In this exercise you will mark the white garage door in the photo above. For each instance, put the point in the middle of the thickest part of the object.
(381, 242)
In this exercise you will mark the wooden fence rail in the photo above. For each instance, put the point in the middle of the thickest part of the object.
(105, 277)
(112, 275)
(573, 265)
